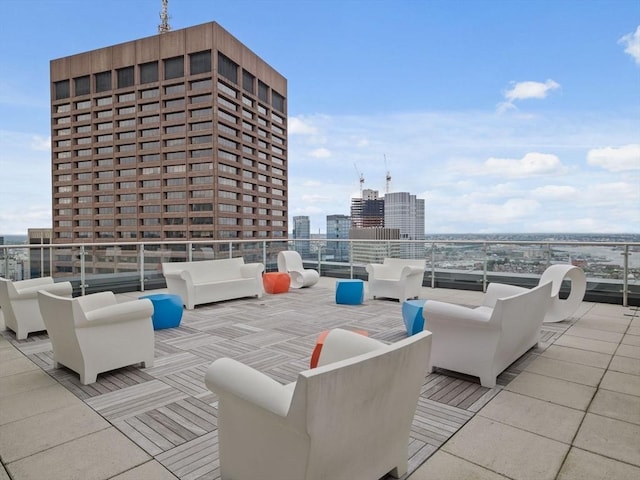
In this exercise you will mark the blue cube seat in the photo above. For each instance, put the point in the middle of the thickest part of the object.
(412, 316)
(349, 292)
(167, 310)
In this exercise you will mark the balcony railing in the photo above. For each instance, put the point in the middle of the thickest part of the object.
(612, 268)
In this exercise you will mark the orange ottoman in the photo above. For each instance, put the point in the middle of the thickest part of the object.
(276, 282)
(315, 356)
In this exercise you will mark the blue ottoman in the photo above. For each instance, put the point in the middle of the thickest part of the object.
(349, 292)
(412, 316)
(167, 310)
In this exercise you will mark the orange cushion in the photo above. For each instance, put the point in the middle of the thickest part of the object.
(315, 356)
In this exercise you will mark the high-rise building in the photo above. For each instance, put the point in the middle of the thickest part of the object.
(302, 234)
(338, 229)
(373, 250)
(368, 210)
(406, 213)
(177, 136)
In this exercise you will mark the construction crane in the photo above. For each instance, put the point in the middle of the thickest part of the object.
(361, 177)
(164, 26)
(388, 176)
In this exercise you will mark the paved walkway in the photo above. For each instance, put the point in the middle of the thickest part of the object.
(573, 412)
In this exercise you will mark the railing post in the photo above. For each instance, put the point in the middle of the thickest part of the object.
(433, 265)
(484, 268)
(351, 259)
(190, 251)
(548, 255)
(319, 257)
(625, 279)
(82, 271)
(264, 254)
(141, 267)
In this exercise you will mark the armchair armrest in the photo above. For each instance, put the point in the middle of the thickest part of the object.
(228, 375)
(32, 282)
(409, 271)
(118, 313)
(251, 270)
(451, 314)
(62, 289)
(342, 344)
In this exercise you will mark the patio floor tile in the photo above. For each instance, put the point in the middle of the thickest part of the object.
(621, 382)
(572, 372)
(576, 355)
(152, 470)
(594, 334)
(625, 365)
(587, 344)
(23, 382)
(609, 437)
(507, 450)
(98, 456)
(33, 402)
(533, 415)
(620, 406)
(554, 390)
(581, 465)
(444, 466)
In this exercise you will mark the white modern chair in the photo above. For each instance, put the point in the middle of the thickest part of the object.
(485, 340)
(347, 419)
(19, 303)
(95, 334)
(396, 278)
(290, 261)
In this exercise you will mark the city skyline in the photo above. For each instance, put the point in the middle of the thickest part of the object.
(514, 117)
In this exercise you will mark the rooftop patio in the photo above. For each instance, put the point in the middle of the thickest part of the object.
(569, 409)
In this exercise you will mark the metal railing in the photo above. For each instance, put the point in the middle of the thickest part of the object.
(612, 269)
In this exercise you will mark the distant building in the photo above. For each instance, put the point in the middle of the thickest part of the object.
(338, 227)
(374, 251)
(176, 136)
(367, 211)
(301, 235)
(405, 212)
(39, 258)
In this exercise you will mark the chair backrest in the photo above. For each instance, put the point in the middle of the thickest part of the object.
(207, 270)
(350, 407)
(58, 314)
(289, 261)
(520, 317)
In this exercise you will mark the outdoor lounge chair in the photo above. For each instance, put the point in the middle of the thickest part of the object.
(485, 340)
(349, 418)
(289, 261)
(396, 278)
(19, 303)
(95, 334)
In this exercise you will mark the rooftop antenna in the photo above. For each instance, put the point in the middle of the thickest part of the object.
(388, 177)
(164, 27)
(361, 179)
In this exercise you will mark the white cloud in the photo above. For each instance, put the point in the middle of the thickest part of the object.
(299, 126)
(320, 153)
(524, 91)
(616, 159)
(555, 192)
(631, 42)
(41, 143)
(530, 165)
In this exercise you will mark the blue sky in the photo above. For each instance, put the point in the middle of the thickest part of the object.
(505, 116)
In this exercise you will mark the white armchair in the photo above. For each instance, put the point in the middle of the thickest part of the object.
(485, 340)
(19, 303)
(95, 334)
(289, 261)
(396, 278)
(349, 418)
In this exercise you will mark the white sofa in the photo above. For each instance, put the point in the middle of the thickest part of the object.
(213, 280)
(95, 334)
(19, 303)
(290, 261)
(396, 278)
(485, 340)
(347, 419)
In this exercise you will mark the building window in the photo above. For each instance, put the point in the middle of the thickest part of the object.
(149, 72)
(263, 91)
(277, 101)
(125, 77)
(227, 68)
(82, 85)
(126, 97)
(171, 89)
(61, 89)
(200, 62)
(173, 68)
(248, 81)
(103, 81)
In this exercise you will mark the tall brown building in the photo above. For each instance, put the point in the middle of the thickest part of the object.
(178, 136)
